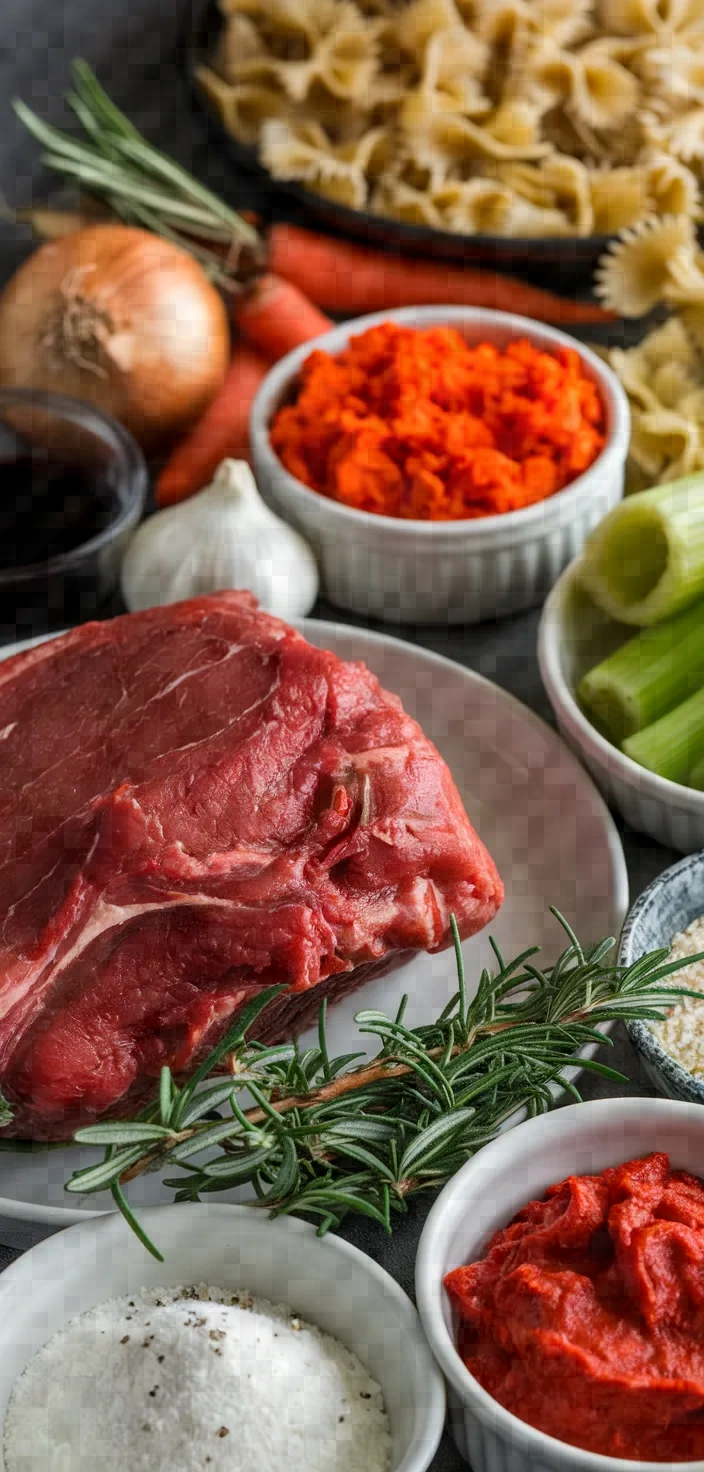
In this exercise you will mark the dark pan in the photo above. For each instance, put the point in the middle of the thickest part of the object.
(565, 263)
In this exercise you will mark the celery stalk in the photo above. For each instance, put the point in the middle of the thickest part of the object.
(673, 747)
(645, 561)
(696, 776)
(647, 676)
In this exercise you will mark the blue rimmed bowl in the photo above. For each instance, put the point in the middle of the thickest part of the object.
(672, 902)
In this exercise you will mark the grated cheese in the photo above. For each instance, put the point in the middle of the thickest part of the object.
(181, 1379)
(682, 1032)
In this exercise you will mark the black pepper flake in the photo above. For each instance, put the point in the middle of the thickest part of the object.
(125, 1340)
(340, 1418)
(224, 1431)
(365, 1394)
(154, 1391)
(160, 1358)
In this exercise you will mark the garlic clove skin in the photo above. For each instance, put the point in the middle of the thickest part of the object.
(224, 537)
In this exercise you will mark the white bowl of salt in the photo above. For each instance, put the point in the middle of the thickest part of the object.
(254, 1345)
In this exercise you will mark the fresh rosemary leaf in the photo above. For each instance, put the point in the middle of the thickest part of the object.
(122, 1134)
(166, 1095)
(285, 1182)
(123, 1205)
(204, 1139)
(211, 1097)
(428, 1144)
(98, 1177)
(374, 1131)
(235, 1169)
(363, 1157)
(344, 1060)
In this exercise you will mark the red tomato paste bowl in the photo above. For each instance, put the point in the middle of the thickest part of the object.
(444, 572)
(483, 1197)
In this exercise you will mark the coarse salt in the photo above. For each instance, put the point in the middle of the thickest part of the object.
(682, 1032)
(180, 1379)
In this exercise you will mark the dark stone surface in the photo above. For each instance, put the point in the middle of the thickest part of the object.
(134, 46)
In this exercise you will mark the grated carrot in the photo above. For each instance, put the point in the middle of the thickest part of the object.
(418, 424)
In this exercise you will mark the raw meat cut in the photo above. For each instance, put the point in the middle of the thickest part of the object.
(197, 803)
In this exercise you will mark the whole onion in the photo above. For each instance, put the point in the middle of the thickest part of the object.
(122, 319)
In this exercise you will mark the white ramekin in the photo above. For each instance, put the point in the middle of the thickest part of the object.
(327, 1281)
(572, 636)
(444, 572)
(513, 1170)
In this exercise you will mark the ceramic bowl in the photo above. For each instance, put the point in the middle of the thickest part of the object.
(484, 1196)
(574, 636)
(444, 572)
(73, 585)
(663, 910)
(326, 1281)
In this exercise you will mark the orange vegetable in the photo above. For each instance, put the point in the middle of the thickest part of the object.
(352, 279)
(275, 317)
(222, 433)
(415, 423)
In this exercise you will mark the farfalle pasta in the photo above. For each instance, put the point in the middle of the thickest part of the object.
(664, 381)
(501, 117)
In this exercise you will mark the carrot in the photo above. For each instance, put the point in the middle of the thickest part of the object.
(222, 432)
(352, 279)
(275, 316)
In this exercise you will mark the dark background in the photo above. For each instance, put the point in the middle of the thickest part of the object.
(136, 48)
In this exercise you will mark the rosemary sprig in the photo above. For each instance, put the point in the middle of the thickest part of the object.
(326, 1137)
(138, 183)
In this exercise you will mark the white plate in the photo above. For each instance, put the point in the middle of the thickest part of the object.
(536, 809)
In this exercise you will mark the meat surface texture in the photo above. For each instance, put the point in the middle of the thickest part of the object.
(196, 803)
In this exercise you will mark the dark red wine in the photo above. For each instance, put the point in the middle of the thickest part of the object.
(47, 508)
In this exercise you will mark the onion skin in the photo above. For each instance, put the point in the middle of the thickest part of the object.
(123, 320)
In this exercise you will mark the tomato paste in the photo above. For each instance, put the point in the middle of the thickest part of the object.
(585, 1318)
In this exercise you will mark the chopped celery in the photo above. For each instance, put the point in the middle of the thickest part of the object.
(645, 561)
(673, 747)
(647, 676)
(696, 776)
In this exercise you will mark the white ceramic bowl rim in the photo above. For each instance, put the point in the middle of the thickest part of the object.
(564, 702)
(610, 390)
(451, 1200)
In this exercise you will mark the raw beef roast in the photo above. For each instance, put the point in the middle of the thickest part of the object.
(196, 803)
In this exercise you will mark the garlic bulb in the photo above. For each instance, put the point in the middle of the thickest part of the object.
(224, 537)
